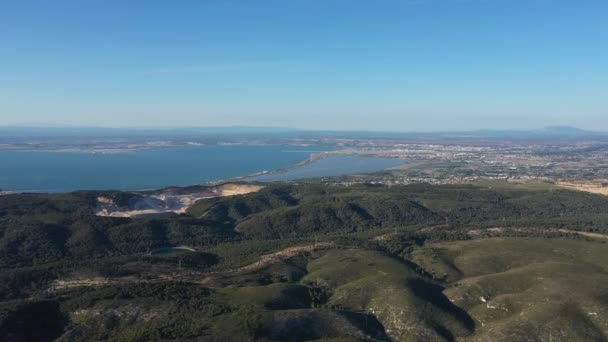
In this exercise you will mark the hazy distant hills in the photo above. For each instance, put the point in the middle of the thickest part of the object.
(547, 132)
(255, 131)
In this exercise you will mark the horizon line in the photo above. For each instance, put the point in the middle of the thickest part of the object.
(287, 128)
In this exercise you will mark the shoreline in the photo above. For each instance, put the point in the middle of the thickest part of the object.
(314, 157)
(134, 148)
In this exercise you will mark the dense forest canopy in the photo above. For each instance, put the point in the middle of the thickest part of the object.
(45, 238)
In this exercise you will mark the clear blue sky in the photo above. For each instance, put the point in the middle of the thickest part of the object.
(399, 65)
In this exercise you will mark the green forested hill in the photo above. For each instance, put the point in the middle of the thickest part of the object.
(38, 229)
(47, 241)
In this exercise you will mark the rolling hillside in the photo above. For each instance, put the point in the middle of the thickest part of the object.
(309, 262)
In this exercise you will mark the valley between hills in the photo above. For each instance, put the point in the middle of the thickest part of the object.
(304, 261)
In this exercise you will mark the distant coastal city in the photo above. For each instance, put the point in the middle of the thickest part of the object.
(566, 156)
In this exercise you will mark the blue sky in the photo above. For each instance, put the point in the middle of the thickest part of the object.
(398, 65)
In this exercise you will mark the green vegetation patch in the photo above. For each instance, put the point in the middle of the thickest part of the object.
(532, 287)
(409, 306)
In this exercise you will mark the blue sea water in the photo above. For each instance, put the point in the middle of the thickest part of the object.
(63, 172)
(332, 166)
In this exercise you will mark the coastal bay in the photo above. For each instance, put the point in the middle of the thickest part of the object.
(35, 171)
(27, 171)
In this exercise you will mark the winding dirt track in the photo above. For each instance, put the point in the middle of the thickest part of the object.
(197, 278)
(269, 259)
(288, 252)
(594, 187)
(476, 232)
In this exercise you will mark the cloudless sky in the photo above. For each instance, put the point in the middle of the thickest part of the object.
(398, 65)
